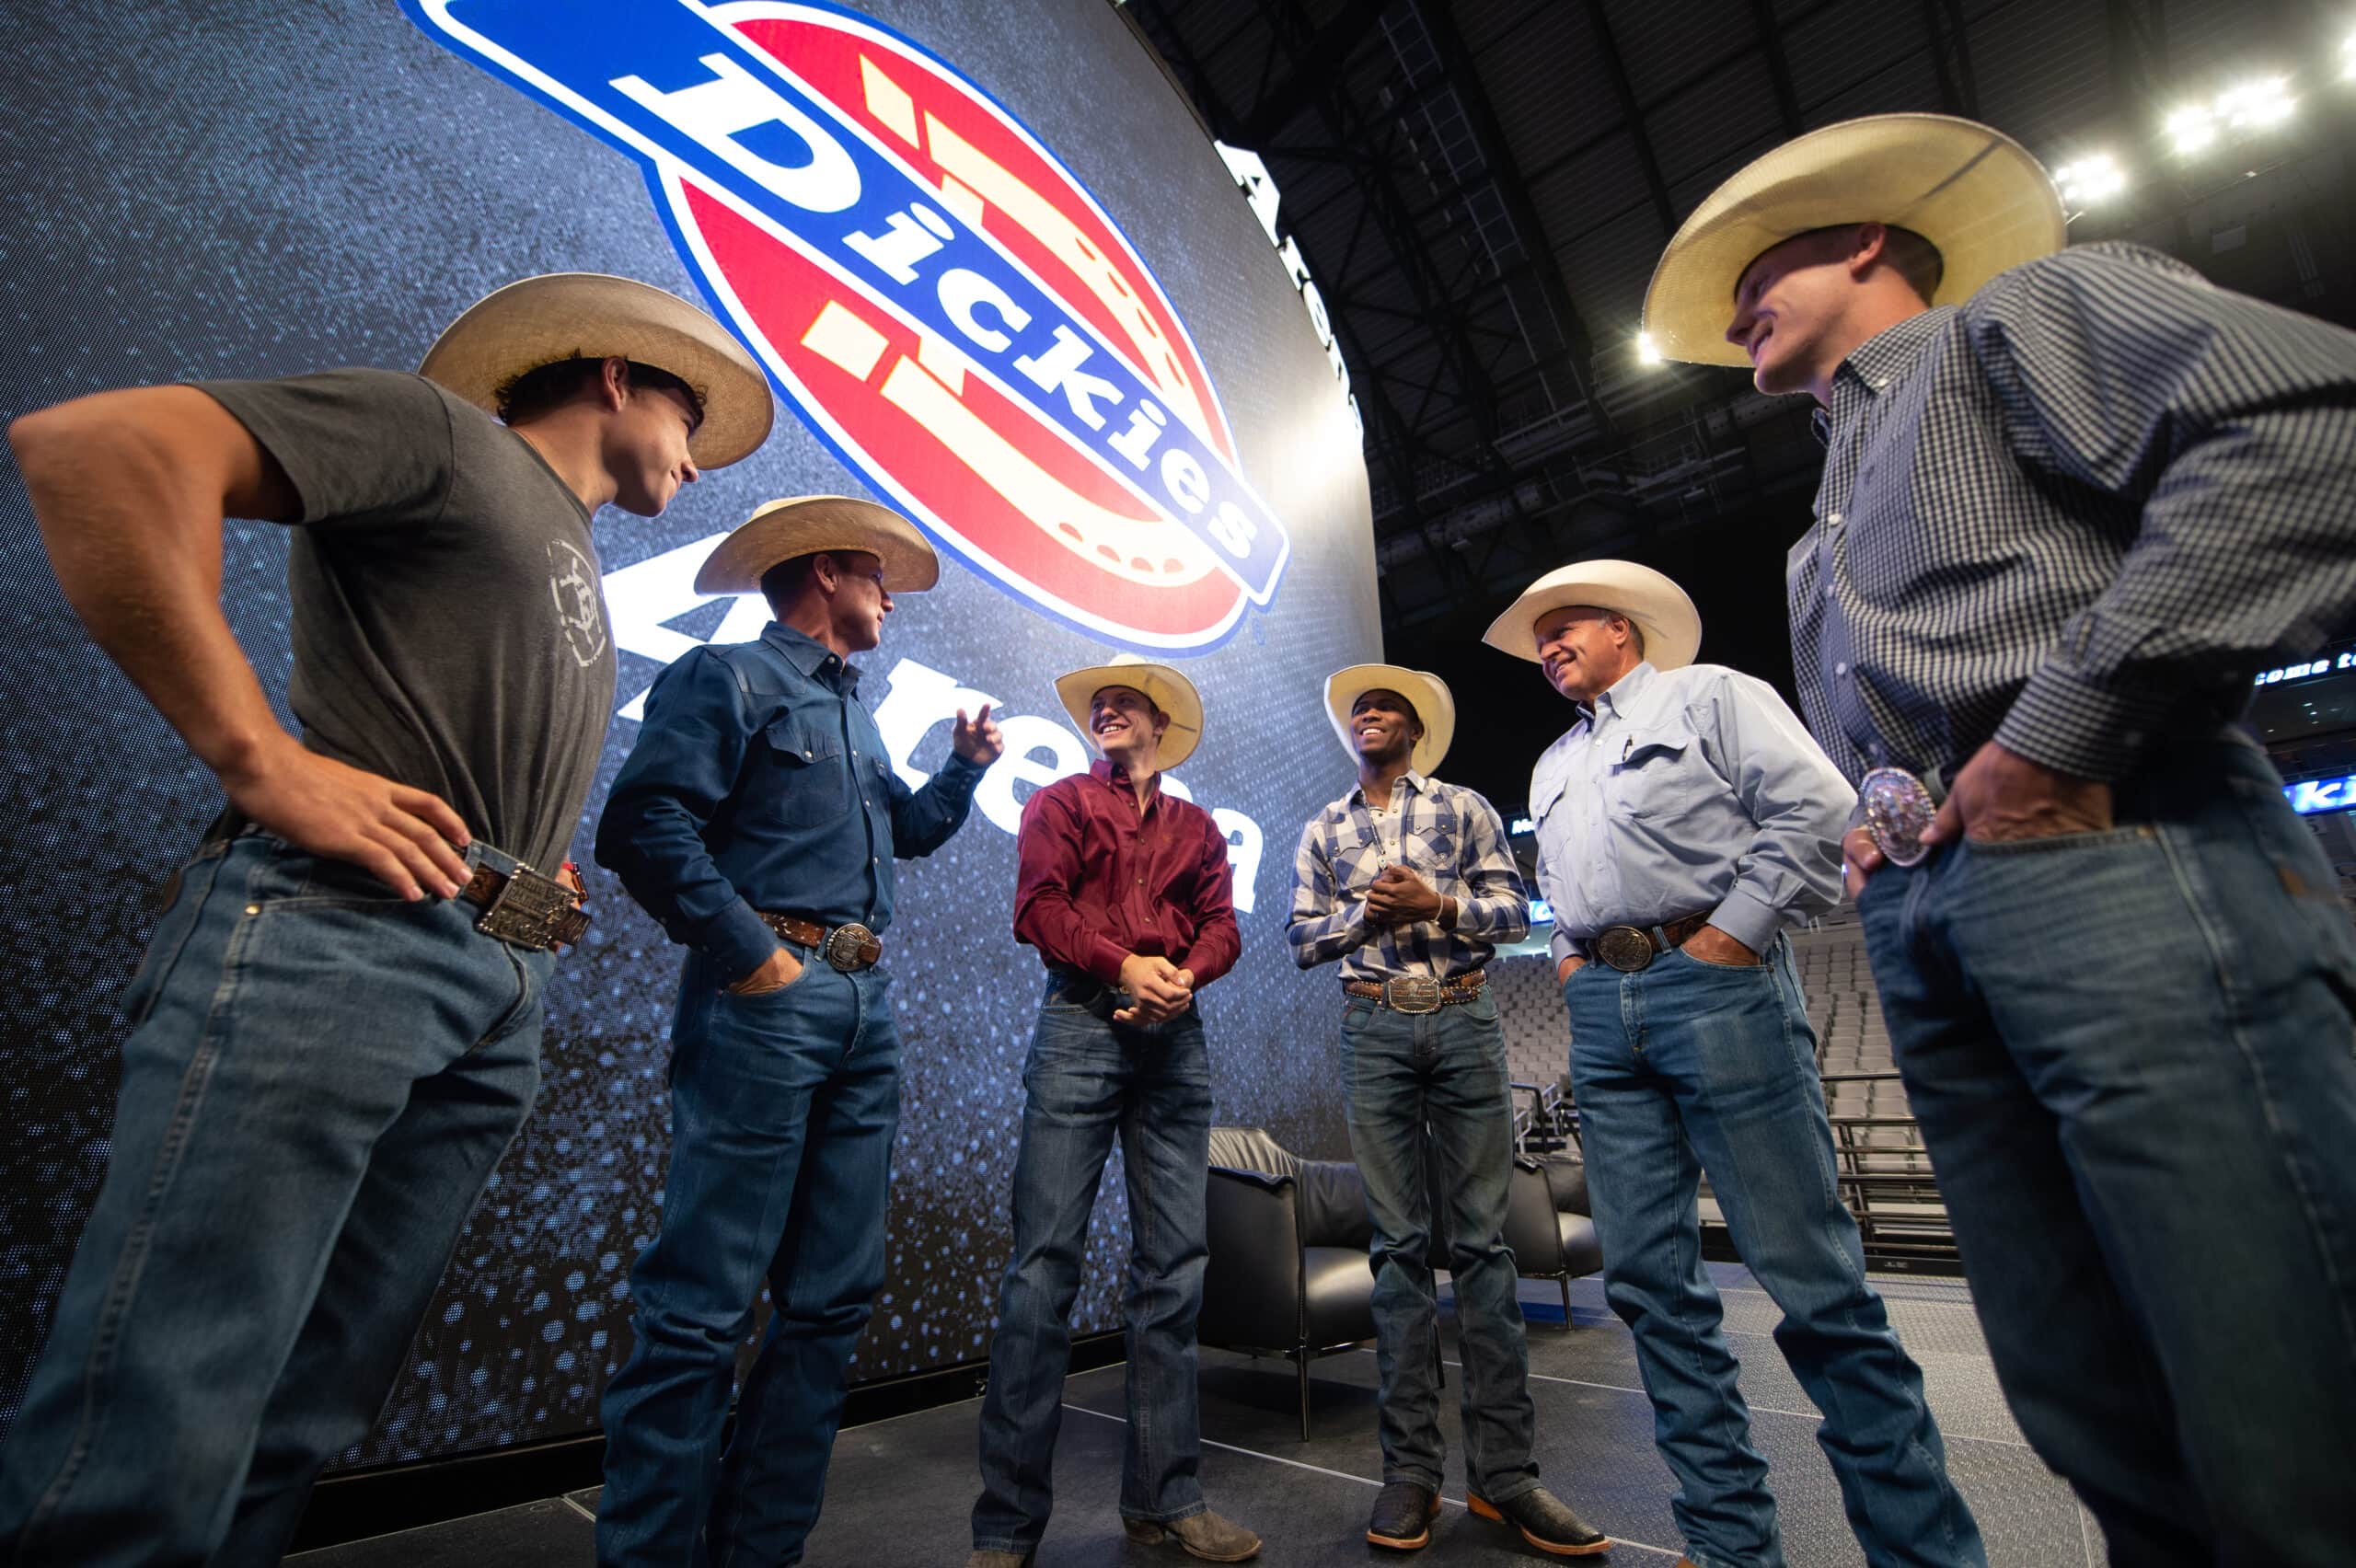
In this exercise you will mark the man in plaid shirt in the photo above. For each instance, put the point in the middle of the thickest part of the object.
(1409, 882)
(2072, 503)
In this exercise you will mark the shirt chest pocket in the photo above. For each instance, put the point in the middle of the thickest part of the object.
(1651, 772)
(801, 756)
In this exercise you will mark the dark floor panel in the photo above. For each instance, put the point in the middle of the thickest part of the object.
(552, 1534)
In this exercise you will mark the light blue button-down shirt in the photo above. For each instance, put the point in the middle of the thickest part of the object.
(1679, 792)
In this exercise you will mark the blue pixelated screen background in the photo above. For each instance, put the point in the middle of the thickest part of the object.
(218, 188)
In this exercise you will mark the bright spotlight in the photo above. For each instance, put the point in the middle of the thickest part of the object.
(2190, 130)
(2348, 58)
(2256, 105)
(2090, 179)
(1648, 351)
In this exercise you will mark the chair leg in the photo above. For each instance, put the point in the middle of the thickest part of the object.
(1301, 1360)
(1565, 1283)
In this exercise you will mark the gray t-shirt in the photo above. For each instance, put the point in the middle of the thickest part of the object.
(449, 622)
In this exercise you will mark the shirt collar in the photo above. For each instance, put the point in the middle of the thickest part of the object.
(1882, 360)
(810, 656)
(1114, 778)
(1616, 699)
(1414, 780)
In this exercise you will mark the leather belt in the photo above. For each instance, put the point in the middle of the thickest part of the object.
(845, 946)
(1631, 948)
(1419, 993)
(525, 907)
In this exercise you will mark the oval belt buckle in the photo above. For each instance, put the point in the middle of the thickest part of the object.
(846, 945)
(1625, 948)
(1898, 808)
(1411, 993)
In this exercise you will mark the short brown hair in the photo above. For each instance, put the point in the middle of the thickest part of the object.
(545, 388)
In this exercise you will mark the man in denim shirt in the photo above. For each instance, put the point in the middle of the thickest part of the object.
(1408, 881)
(1684, 821)
(757, 819)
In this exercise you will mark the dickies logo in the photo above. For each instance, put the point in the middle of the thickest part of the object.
(931, 290)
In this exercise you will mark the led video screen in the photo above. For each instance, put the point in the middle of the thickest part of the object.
(999, 277)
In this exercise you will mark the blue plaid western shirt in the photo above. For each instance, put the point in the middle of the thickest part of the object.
(1445, 834)
(2075, 515)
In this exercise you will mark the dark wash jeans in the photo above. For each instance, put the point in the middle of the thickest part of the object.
(783, 1109)
(1088, 1078)
(1445, 1070)
(320, 1079)
(1687, 1067)
(2133, 1056)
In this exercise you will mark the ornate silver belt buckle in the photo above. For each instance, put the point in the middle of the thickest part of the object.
(1898, 808)
(1411, 994)
(846, 946)
(533, 911)
(1626, 948)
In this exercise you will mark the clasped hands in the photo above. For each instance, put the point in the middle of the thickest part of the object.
(1399, 898)
(1159, 988)
(1998, 796)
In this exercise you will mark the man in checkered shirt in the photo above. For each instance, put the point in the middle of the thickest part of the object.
(2071, 503)
(1409, 882)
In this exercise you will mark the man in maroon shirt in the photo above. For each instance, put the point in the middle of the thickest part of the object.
(1124, 889)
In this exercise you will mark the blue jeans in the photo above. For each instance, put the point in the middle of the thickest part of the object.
(320, 1079)
(2134, 1059)
(1087, 1079)
(1688, 1067)
(782, 1113)
(1402, 1072)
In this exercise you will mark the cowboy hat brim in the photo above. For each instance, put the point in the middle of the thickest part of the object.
(1981, 197)
(541, 320)
(805, 525)
(1435, 707)
(1661, 610)
(1170, 692)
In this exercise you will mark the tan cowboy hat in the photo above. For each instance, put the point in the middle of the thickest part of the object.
(1425, 692)
(1672, 627)
(537, 321)
(1970, 191)
(1170, 692)
(805, 525)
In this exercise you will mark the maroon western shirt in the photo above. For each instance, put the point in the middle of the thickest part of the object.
(1096, 883)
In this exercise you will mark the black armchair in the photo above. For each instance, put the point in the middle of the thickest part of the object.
(1288, 1273)
(1548, 1221)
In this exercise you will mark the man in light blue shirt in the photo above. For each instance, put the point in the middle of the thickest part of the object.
(1683, 822)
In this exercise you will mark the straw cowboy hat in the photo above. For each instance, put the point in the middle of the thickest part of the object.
(1425, 692)
(805, 525)
(1672, 627)
(1170, 692)
(1970, 191)
(540, 320)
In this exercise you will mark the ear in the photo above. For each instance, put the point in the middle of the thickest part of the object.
(1868, 247)
(613, 382)
(827, 572)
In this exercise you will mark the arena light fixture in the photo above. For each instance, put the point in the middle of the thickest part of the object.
(1648, 351)
(2256, 105)
(2192, 129)
(2085, 181)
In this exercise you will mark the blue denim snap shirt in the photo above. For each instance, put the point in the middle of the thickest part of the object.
(1684, 791)
(760, 781)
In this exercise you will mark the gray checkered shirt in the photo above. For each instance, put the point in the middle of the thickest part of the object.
(1445, 834)
(2075, 515)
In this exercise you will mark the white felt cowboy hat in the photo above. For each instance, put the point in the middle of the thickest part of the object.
(1672, 627)
(1973, 192)
(538, 321)
(805, 525)
(1425, 692)
(1170, 692)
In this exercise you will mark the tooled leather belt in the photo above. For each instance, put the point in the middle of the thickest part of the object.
(847, 948)
(1631, 948)
(1419, 993)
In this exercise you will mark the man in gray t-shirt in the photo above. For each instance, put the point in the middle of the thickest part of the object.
(336, 1028)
